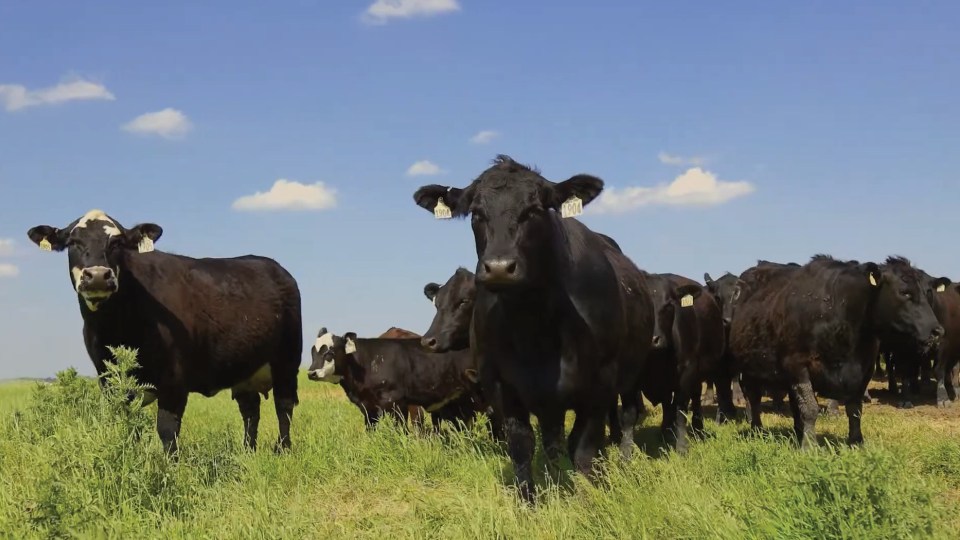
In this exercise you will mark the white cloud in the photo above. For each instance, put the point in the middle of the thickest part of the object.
(484, 136)
(6, 247)
(695, 187)
(15, 97)
(670, 159)
(424, 167)
(381, 11)
(8, 271)
(289, 195)
(168, 123)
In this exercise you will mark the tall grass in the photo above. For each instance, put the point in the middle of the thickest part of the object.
(77, 462)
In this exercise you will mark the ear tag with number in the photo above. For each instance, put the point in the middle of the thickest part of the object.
(873, 280)
(350, 347)
(571, 207)
(45, 245)
(686, 301)
(442, 211)
(145, 245)
(941, 287)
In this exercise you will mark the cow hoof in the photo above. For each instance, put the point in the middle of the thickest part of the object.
(905, 405)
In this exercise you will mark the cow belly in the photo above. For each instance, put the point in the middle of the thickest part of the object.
(260, 382)
(842, 382)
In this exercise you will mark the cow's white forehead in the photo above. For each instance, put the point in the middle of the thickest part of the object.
(324, 340)
(109, 227)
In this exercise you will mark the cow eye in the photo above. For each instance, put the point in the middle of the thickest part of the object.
(529, 213)
(906, 294)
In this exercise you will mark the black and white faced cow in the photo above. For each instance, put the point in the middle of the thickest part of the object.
(562, 320)
(201, 325)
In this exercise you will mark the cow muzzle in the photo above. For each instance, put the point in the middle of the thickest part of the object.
(95, 284)
(325, 373)
(659, 342)
(500, 272)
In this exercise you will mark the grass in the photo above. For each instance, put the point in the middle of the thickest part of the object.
(75, 463)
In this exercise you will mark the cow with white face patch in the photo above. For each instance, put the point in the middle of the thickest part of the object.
(200, 325)
(389, 375)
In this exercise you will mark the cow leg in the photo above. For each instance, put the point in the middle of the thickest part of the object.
(249, 405)
(754, 395)
(940, 372)
(616, 429)
(679, 406)
(520, 442)
(285, 396)
(551, 433)
(726, 410)
(805, 413)
(697, 410)
(591, 437)
(170, 409)
(854, 412)
(902, 373)
(628, 420)
(948, 383)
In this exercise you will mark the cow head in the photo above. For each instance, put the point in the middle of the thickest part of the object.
(329, 353)
(96, 246)
(450, 328)
(512, 208)
(903, 303)
(667, 300)
(723, 290)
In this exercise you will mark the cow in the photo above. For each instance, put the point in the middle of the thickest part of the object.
(200, 325)
(688, 348)
(562, 320)
(906, 358)
(450, 327)
(414, 413)
(816, 327)
(387, 376)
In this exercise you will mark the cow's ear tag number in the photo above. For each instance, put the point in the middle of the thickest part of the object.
(686, 301)
(145, 245)
(873, 280)
(571, 207)
(45, 245)
(441, 210)
(350, 347)
(941, 287)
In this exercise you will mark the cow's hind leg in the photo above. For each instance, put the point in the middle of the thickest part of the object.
(591, 438)
(284, 400)
(754, 393)
(249, 405)
(805, 412)
(941, 372)
(726, 410)
(854, 412)
(629, 416)
(170, 409)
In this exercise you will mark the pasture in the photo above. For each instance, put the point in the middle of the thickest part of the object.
(72, 466)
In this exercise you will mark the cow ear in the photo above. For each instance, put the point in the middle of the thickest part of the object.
(686, 294)
(430, 290)
(940, 284)
(582, 186)
(872, 273)
(350, 342)
(143, 236)
(471, 376)
(48, 238)
(443, 201)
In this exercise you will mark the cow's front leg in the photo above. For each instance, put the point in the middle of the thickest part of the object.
(551, 432)
(170, 407)
(803, 402)
(520, 442)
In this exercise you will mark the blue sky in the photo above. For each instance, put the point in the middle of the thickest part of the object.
(726, 134)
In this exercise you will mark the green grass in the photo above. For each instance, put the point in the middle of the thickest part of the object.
(72, 466)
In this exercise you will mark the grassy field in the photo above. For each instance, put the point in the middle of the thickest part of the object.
(72, 466)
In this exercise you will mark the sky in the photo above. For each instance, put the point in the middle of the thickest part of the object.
(299, 130)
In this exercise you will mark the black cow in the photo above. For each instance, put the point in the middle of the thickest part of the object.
(688, 347)
(907, 358)
(450, 328)
(201, 325)
(817, 327)
(562, 320)
(389, 375)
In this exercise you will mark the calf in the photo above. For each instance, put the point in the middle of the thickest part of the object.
(387, 376)
(688, 347)
(562, 320)
(817, 327)
(200, 325)
(415, 413)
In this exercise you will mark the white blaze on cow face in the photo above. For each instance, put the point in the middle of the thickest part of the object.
(327, 371)
(109, 227)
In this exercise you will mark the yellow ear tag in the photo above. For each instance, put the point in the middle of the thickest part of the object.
(350, 347)
(45, 245)
(873, 280)
(571, 207)
(686, 301)
(145, 245)
(442, 211)
(941, 287)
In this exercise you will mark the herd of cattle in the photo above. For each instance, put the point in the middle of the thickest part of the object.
(555, 318)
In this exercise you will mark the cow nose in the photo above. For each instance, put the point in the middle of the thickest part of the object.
(429, 343)
(657, 341)
(937, 332)
(500, 269)
(97, 277)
